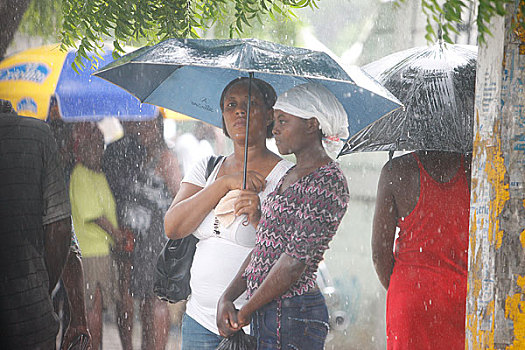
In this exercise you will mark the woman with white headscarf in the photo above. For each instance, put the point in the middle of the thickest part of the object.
(298, 220)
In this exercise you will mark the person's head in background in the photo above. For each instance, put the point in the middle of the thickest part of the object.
(234, 102)
(6, 107)
(88, 145)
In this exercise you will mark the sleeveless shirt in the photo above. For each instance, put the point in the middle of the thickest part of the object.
(427, 292)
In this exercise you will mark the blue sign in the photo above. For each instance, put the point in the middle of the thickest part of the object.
(34, 72)
(26, 104)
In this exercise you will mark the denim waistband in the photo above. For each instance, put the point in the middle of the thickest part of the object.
(310, 298)
(307, 300)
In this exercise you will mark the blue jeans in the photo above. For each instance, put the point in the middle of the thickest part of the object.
(304, 323)
(197, 337)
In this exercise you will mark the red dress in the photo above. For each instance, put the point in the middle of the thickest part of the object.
(427, 292)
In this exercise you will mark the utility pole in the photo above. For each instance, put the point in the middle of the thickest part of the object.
(496, 282)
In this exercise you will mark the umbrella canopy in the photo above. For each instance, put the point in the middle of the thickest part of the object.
(188, 76)
(29, 79)
(436, 85)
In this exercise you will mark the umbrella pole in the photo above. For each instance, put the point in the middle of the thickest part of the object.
(245, 165)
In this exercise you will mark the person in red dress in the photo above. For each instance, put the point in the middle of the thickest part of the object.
(426, 195)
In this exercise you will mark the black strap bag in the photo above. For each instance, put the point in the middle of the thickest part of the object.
(172, 273)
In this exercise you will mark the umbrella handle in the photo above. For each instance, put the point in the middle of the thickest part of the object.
(245, 165)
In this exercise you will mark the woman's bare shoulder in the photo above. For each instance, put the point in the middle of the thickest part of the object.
(401, 167)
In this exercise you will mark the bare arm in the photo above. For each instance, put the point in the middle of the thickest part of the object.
(192, 203)
(384, 227)
(57, 239)
(73, 278)
(190, 206)
(286, 271)
(118, 235)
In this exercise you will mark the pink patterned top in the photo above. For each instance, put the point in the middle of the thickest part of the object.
(299, 222)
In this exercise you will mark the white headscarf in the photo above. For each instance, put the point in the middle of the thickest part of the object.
(312, 100)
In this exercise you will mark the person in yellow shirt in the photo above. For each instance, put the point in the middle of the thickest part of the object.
(95, 219)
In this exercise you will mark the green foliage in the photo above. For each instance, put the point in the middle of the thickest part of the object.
(43, 18)
(87, 23)
(486, 10)
(443, 17)
(276, 27)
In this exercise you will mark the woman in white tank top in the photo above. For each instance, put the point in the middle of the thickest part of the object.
(223, 246)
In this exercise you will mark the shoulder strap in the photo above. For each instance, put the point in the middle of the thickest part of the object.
(422, 171)
(212, 163)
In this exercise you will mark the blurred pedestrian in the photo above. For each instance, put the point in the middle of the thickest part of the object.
(95, 221)
(68, 295)
(35, 234)
(298, 219)
(157, 184)
(426, 195)
(121, 163)
(144, 176)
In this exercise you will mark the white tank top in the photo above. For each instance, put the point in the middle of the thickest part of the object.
(218, 257)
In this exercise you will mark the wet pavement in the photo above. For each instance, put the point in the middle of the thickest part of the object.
(111, 339)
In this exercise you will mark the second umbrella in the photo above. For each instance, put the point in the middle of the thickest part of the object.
(436, 85)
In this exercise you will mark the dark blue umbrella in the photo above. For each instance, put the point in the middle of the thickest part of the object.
(188, 76)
